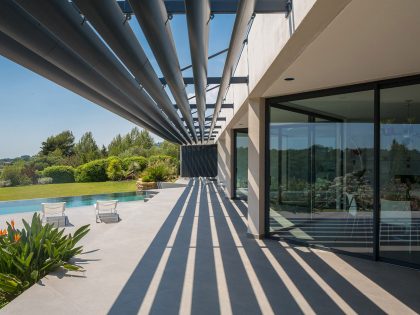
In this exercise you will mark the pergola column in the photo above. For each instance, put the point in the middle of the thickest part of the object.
(256, 167)
(225, 161)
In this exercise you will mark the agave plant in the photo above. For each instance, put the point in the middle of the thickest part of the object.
(29, 254)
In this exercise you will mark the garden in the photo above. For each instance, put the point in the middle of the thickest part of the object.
(62, 161)
(30, 253)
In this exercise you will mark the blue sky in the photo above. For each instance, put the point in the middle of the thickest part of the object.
(33, 108)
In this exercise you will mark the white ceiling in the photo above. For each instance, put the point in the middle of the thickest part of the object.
(369, 40)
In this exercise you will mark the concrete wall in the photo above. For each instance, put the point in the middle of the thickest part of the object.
(225, 162)
(268, 35)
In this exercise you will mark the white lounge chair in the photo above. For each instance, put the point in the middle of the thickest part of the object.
(106, 211)
(54, 213)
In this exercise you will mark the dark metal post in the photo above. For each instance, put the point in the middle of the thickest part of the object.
(376, 173)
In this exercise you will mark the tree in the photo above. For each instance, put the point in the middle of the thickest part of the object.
(104, 152)
(134, 143)
(87, 149)
(63, 142)
(144, 140)
(170, 149)
(116, 146)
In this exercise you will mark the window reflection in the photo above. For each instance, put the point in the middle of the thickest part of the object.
(400, 173)
(241, 156)
(321, 171)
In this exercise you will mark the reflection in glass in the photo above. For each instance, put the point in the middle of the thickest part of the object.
(321, 171)
(400, 173)
(241, 156)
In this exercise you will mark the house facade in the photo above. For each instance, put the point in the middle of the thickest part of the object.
(324, 141)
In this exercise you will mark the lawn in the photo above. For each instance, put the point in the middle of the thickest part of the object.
(65, 190)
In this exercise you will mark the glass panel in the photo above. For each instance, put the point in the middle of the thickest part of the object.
(400, 173)
(327, 154)
(289, 169)
(241, 153)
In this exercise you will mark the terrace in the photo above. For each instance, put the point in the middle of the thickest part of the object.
(187, 251)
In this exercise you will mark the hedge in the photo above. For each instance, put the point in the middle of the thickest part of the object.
(137, 163)
(94, 171)
(59, 173)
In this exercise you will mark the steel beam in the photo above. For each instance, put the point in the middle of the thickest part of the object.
(108, 20)
(198, 18)
(11, 49)
(153, 18)
(209, 119)
(209, 57)
(211, 80)
(208, 106)
(219, 6)
(26, 30)
(240, 30)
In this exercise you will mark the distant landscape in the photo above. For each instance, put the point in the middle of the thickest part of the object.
(62, 160)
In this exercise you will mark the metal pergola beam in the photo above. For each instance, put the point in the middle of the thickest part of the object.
(106, 17)
(208, 90)
(210, 119)
(209, 57)
(212, 80)
(18, 53)
(88, 47)
(243, 21)
(153, 18)
(198, 16)
(208, 106)
(107, 81)
(218, 6)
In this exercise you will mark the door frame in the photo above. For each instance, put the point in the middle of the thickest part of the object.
(376, 87)
(235, 153)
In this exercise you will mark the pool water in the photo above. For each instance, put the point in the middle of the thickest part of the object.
(17, 206)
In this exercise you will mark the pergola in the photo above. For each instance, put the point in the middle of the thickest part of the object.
(89, 48)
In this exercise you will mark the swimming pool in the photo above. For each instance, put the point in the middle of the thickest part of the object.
(17, 206)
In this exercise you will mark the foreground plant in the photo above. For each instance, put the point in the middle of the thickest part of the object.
(29, 254)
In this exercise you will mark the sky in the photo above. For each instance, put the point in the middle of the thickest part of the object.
(32, 108)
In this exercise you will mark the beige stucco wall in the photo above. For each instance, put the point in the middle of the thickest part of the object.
(267, 37)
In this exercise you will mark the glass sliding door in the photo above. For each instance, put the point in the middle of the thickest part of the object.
(241, 164)
(321, 171)
(290, 171)
(400, 173)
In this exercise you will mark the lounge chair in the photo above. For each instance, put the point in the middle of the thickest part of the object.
(54, 213)
(106, 211)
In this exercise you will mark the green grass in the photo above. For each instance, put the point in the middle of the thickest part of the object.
(65, 190)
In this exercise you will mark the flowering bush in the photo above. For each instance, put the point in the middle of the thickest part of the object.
(27, 255)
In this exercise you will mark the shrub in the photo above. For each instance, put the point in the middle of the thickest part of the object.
(114, 170)
(45, 180)
(157, 172)
(133, 166)
(60, 173)
(94, 171)
(5, 183)
(169, 160)
(29, 254)
(15, 175)
(147, 178)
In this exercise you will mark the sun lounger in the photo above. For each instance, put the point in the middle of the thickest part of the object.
(106, 211)
(54, 213)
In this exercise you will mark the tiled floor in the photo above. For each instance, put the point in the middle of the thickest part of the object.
(186, 252)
